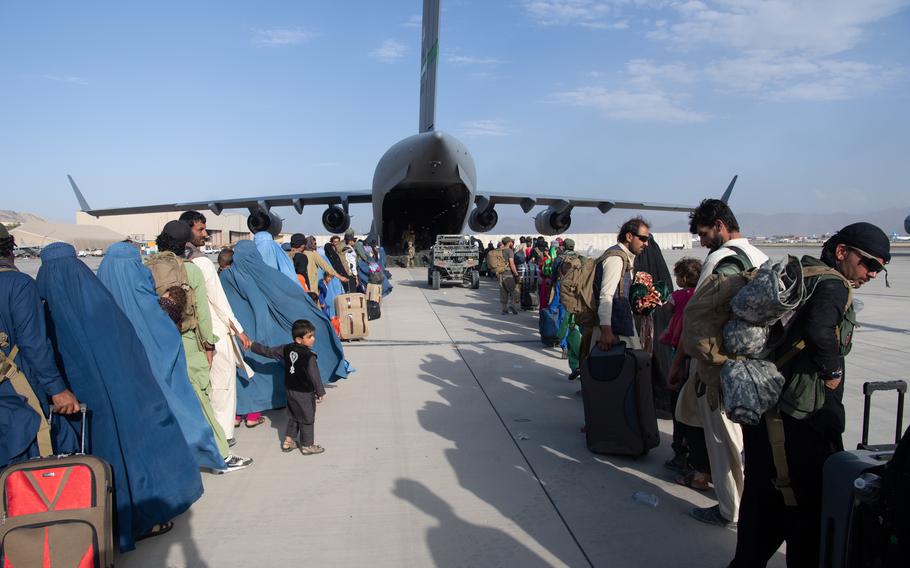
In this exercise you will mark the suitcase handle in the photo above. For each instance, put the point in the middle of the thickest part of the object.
(82, 410)
(870, 387)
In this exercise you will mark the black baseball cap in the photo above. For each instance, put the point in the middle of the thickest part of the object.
(298, 240)
(867, 240)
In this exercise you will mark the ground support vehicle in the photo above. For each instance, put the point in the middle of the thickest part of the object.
(454, 259)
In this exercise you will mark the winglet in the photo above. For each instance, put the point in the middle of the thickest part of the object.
(83, 204)
(726, 197)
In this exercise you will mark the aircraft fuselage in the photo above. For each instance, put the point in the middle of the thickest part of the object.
(424, 183)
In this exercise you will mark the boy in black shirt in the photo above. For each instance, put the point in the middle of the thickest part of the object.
(302, 384)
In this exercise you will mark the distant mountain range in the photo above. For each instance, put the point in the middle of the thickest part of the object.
(7, 217)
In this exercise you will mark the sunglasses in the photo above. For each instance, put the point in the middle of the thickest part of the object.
(642, 238)
(871, 264)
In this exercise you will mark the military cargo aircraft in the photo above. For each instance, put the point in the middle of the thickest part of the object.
(424, 184)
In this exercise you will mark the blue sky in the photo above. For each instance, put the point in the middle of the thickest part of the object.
(660, 100)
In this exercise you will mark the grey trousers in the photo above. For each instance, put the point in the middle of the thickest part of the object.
(301, 417)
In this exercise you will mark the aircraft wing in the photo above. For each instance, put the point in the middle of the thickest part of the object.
(528, 202)
(216, 206)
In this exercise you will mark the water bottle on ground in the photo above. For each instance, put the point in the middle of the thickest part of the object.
(644, 498)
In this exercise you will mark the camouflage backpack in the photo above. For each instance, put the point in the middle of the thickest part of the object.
(168, 272)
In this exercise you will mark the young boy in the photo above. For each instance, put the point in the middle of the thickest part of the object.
(302, 384)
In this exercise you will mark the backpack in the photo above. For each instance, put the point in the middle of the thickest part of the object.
(168, 272)
(496, 262)
(579, 278)
(709, 310)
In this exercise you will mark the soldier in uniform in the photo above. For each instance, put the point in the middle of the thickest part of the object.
(410, 252)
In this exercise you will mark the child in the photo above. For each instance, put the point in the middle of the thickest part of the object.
(225, 259)
(302, 384)
(690, 455)
(323, 294)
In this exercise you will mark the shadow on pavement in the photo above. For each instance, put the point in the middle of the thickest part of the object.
(489, 546)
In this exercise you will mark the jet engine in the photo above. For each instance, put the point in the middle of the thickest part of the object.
(553, 221)
(335, 219)
(261, 220)
(907, 225)
(483, 220)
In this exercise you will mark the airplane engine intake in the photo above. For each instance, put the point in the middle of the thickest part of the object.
(260, 220)
(483, 220)
(335, 220)
(549, 222)
(907, 225)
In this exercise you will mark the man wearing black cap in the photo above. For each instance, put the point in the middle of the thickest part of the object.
(816, 344)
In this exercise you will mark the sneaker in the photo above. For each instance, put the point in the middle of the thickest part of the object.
(513, 310)
(236, 463)
(504, 312)
(231, 442)
(575, 374)
(711, 516)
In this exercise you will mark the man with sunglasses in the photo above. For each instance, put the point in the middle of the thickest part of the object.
(615, 281)
(824, 325)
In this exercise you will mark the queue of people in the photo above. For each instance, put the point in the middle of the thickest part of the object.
(173, 345)
(769, 500)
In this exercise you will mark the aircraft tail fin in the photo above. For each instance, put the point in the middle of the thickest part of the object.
(429, 54)
(726, 196)
(83, 204)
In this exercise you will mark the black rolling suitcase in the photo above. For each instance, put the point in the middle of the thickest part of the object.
(855, 525)
(618, 402)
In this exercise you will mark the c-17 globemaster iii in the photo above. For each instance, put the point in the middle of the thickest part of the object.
(423, 185)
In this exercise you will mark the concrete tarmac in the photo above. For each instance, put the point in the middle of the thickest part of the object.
(457, 443)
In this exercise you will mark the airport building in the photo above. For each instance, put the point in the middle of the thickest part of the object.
(144, 227)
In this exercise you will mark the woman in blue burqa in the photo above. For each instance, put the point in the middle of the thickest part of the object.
(22, 327)
(267, 303)
(374, 255)
(130, 424)
(132, 286)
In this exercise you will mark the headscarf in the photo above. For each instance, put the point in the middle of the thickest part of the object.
(331, 254)
(132, 427)
(267, 306)
(272, 255)
(132, 286)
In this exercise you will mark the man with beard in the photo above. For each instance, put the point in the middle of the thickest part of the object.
(225, 326)
(731, 253)
(616, 323)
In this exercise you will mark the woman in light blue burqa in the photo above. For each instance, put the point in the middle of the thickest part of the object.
(132, 286)
(131, 425)
(267, 303)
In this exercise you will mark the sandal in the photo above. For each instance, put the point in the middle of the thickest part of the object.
(286, 447)
(256, 423)
(237, 422)
(694, 480)
(157, 530)
(311, 450)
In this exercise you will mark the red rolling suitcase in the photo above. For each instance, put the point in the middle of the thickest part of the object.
(57, 512)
